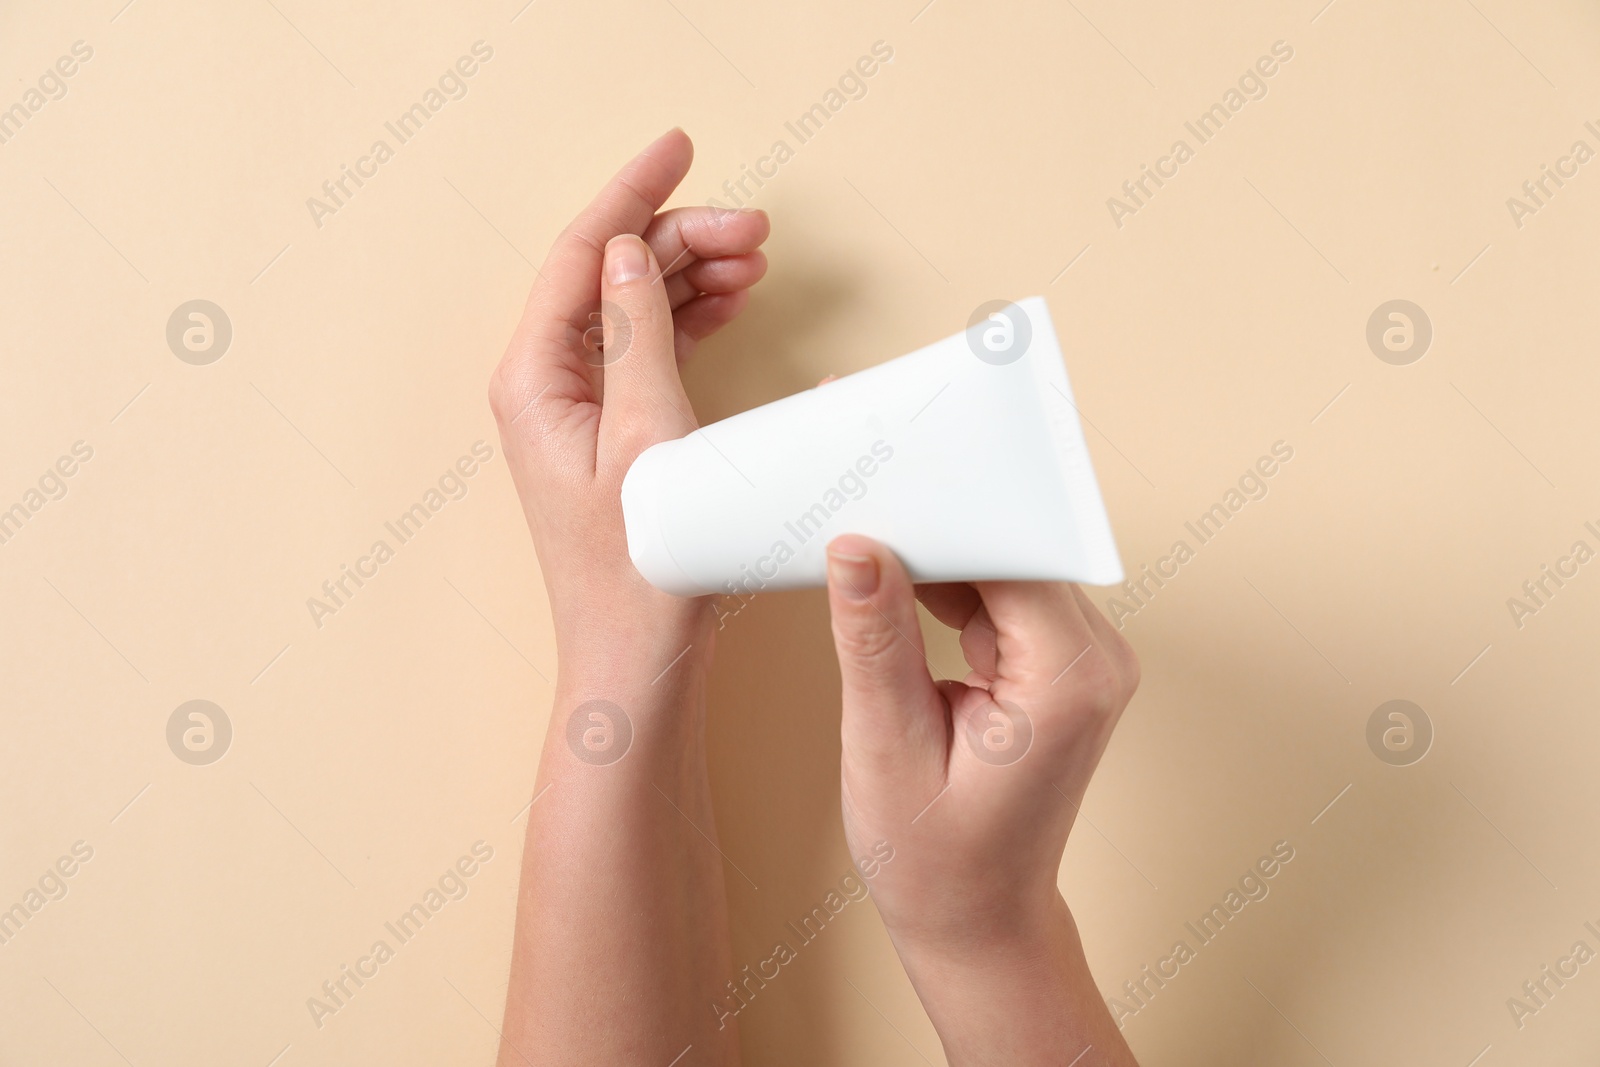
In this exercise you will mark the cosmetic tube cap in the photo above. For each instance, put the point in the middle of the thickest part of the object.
(647, 543)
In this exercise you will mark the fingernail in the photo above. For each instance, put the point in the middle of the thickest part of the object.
(855, 576)
(626, 259)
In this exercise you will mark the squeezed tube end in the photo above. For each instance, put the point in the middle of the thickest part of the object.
(647, 547)
(1106, 571)
(1099, 563)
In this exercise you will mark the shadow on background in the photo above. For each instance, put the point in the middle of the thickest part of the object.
(774, 693)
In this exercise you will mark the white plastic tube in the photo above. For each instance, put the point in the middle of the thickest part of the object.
(965, 457)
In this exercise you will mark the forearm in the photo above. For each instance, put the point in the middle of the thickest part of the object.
(1017, 1000)
(622, 927)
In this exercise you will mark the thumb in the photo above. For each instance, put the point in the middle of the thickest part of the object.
(644, 400)
(892, 709)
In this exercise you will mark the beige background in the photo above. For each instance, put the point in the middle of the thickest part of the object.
(1227, 314)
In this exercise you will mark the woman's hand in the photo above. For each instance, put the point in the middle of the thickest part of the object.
(590, 380)
(975, 785)
(621, 863)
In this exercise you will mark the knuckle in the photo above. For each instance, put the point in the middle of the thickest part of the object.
(504, 393)
(580, 232)
(866, 645)
(1098, 690)
(1135, 671)
(1126, 661)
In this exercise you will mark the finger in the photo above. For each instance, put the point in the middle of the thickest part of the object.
(952, 603)
(570, 280)
(1107, 636)
(958, 606)
(544, 373)
(727, 273)
(980, 645)
(685, 235)
(1039, 628)
(644, 400)
(1102, 629)
(704, 316)
(679, 291)
(893, 714)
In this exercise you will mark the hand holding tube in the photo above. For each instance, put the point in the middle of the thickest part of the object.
(977, 784)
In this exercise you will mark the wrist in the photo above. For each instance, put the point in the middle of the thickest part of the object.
(628, 643)
(630, 700)
(1021, 931)
(1019, 993)
(952, 908)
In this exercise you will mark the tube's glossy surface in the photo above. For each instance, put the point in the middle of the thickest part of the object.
(965, 457)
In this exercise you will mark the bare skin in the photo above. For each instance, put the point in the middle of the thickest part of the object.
(622, 938)
(978, 799)
(622, 928)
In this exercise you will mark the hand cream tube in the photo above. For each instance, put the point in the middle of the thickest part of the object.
(965, 457)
